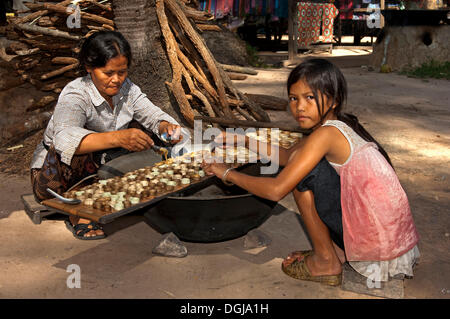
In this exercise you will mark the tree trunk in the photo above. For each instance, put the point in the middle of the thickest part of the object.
(138, 22)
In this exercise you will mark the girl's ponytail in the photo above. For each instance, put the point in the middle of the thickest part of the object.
(352, 121)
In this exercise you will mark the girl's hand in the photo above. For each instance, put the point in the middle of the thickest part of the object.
(212, 168)
(133, 139)
(173, 130)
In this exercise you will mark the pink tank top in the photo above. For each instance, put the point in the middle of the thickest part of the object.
(376, 217)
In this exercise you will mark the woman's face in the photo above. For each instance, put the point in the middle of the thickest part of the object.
(303, 105)
(109, 79)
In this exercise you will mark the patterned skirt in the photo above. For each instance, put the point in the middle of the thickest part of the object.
(59, 176)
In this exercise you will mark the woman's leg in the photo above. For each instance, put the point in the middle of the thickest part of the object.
(59, 177)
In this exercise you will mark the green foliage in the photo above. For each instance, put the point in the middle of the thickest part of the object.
(253, 58)
(432, 69)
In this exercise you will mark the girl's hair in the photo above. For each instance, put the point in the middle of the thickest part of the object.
(324, 78)
(102, 46)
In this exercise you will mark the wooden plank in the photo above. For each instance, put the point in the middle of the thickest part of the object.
(100, 216)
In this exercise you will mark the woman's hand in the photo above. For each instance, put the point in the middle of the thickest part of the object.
(173, 130)
(134, 140)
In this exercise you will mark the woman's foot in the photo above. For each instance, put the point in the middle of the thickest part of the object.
(92, 233)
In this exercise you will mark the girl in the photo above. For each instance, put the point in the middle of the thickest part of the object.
(94, 114)
(346, 190)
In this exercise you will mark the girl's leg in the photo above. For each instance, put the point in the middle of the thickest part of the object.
(324, 260)
(318, 199)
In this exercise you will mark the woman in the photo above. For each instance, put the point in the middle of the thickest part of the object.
(93, 114)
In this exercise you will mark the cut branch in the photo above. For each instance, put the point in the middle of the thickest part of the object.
(47, 31)
(175, 86)
(204, 52)
(238, 69)
(59, 71)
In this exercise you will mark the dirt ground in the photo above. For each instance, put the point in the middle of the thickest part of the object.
(409, 117)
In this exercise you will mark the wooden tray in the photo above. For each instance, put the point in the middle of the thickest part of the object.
(103, 217)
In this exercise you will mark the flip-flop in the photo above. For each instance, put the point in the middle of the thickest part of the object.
(299, 270)
(79, 230)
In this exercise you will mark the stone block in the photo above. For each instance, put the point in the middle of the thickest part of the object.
(355, 282)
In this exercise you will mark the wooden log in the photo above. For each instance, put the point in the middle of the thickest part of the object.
(203, 50)
(6, 56)
(63, 10)
(47, 31)
(245, 114)
(268, 102)
(30, 17)
(205, 102)
(45, 22)
(254, 109)
(43, 102)
(194, 56)
(240, 123)
(208, 27)
(64, 60)
(238, 69)
(27, 52)
(200, 78)
(47, 46)
(55, 85)
(107, 27)
(59, 71)
(236, 76)
(175, 86)
(19, 130)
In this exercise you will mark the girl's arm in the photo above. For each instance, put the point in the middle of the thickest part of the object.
(314, 148)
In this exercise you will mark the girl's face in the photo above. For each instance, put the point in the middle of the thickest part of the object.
(304, 106)
(109, 79)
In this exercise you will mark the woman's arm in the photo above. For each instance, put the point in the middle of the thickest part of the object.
(315, 147)
(131, 139)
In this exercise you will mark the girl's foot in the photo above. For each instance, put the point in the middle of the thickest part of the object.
(296, 255)
(320, 266)
(340, 253)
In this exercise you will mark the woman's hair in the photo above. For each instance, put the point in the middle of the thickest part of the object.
(324, 78)
(102, 46)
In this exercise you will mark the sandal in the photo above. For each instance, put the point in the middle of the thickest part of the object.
(79, 230)
(299, 270)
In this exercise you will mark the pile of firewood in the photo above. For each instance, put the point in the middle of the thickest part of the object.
(197, 77)
(47, 38)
